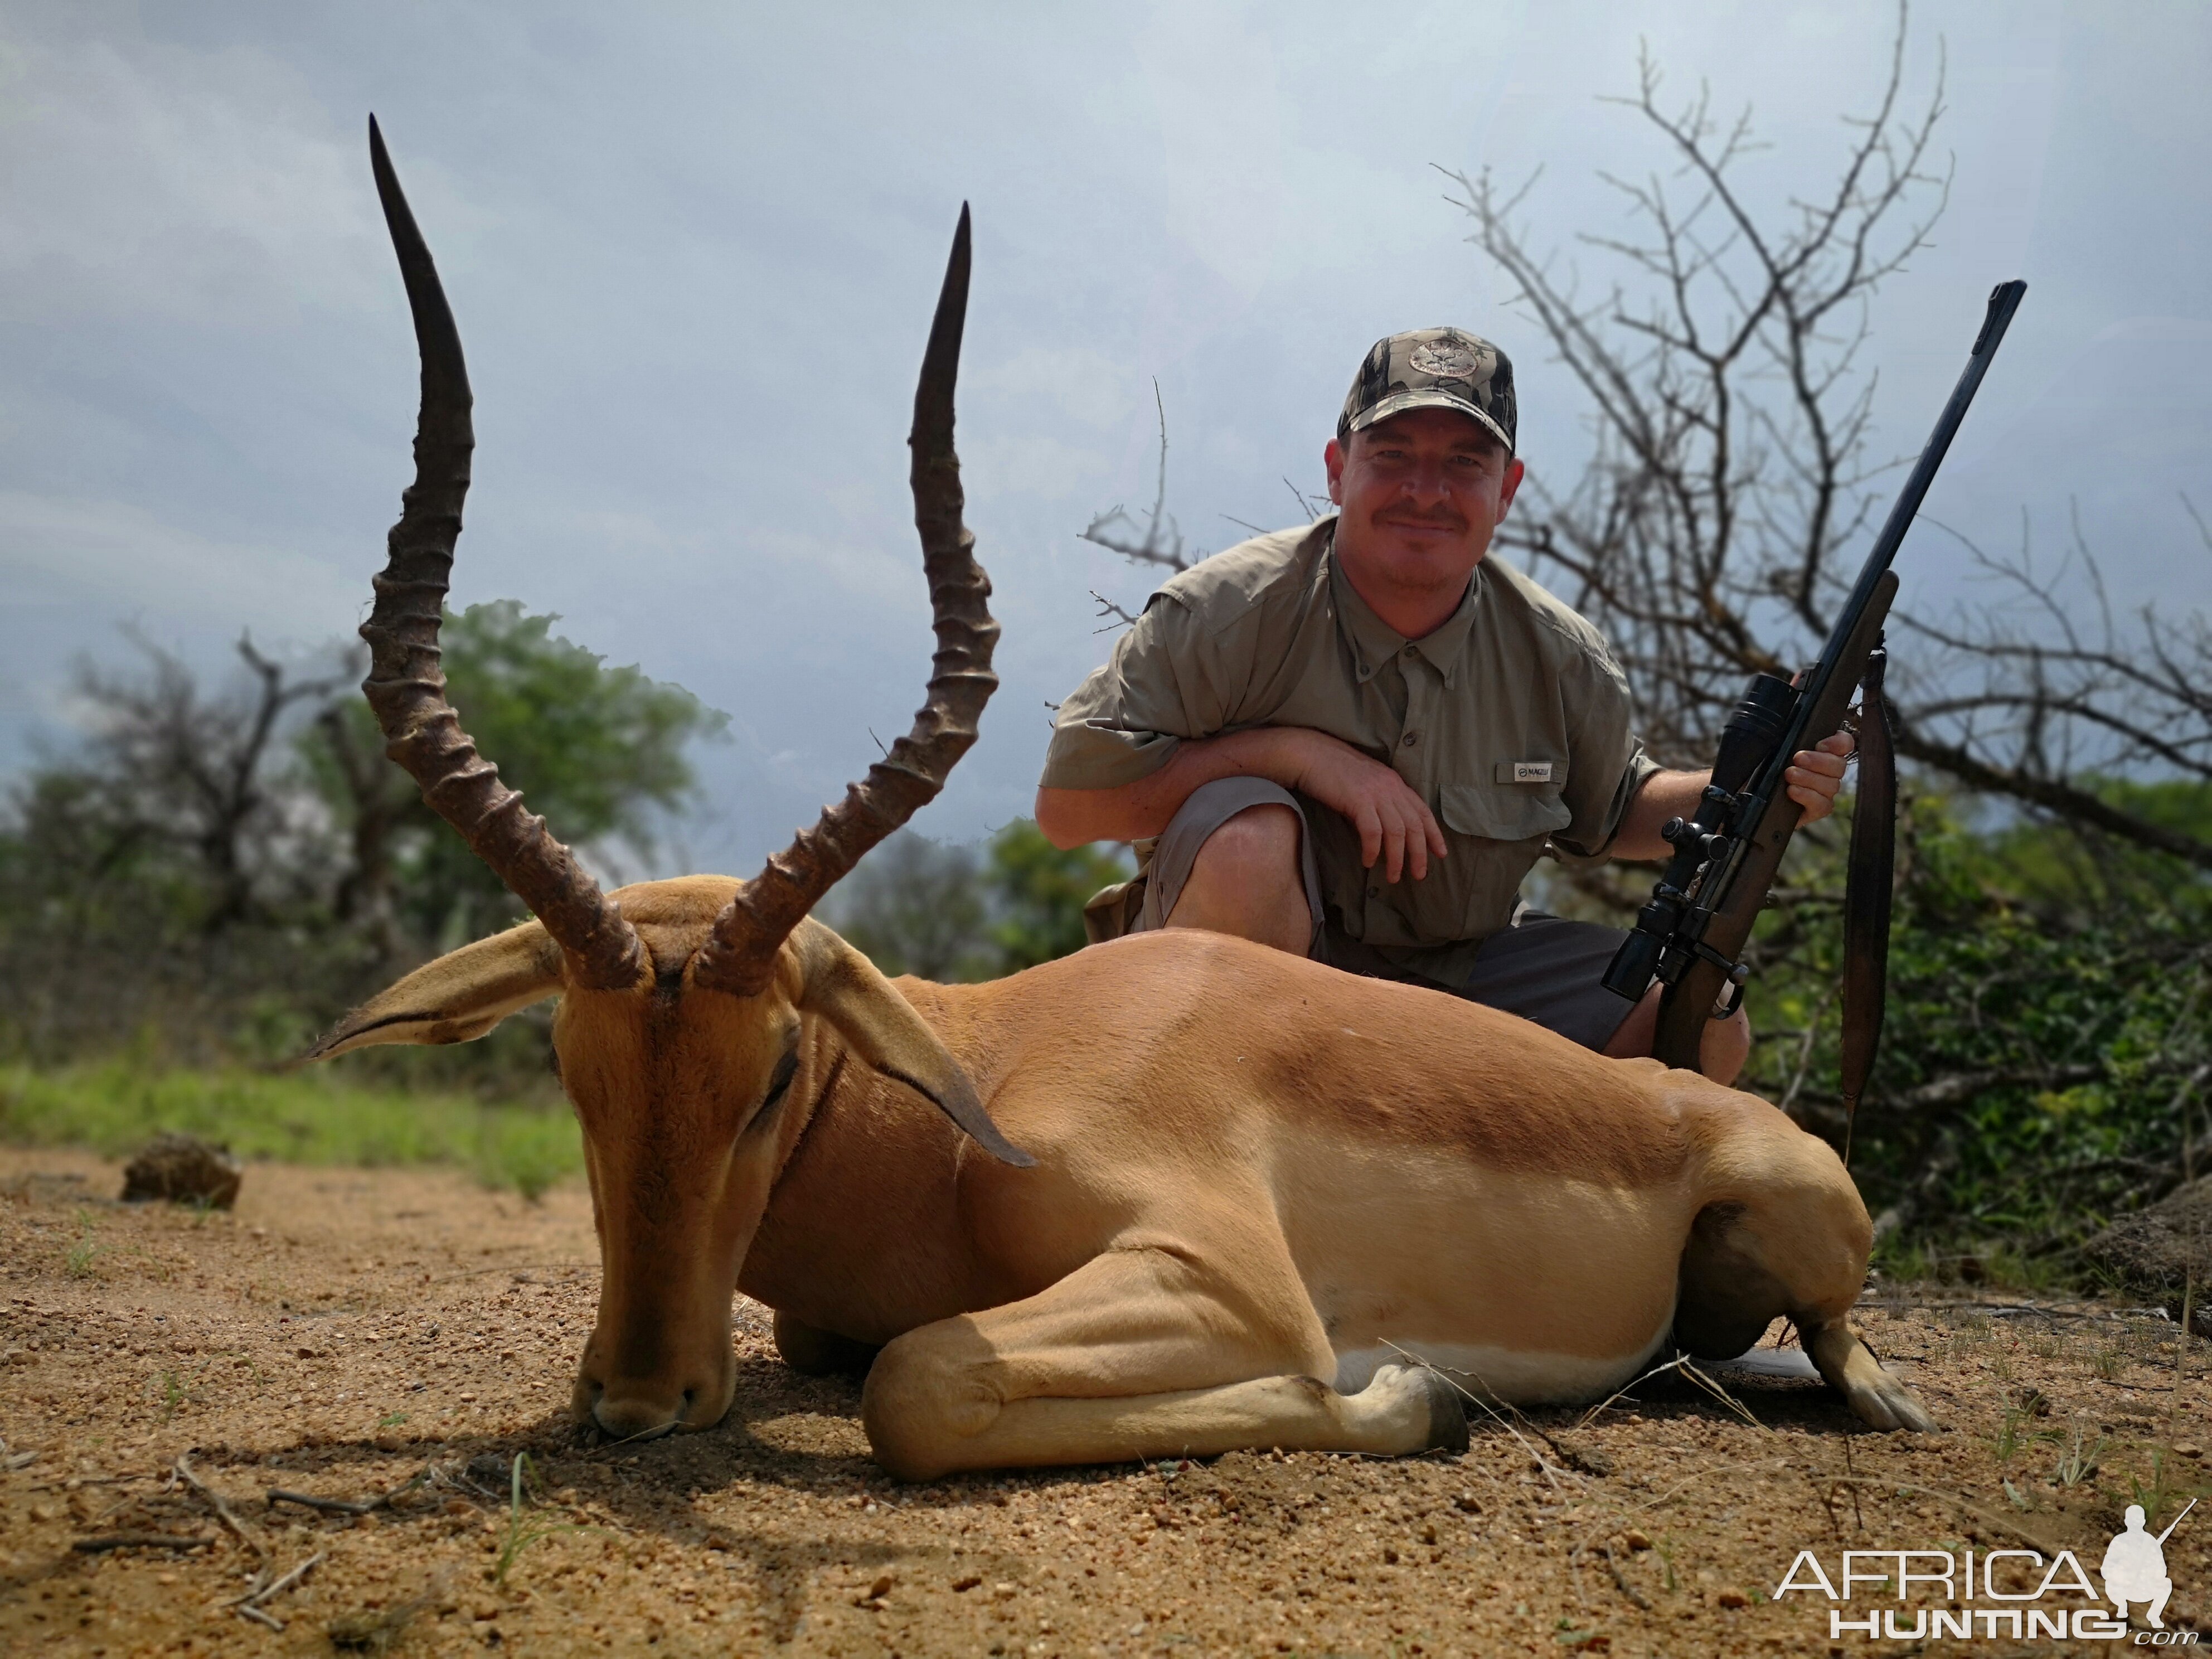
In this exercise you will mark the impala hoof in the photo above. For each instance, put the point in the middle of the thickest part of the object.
(1888, 1404)
(638, 1410)
(1447, 1415)
(1422, 1404)
(1880, 1400)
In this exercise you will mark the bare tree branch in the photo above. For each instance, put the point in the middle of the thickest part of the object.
(189, 770)
(1709, 535)
(1117, 616)
(1160, 540)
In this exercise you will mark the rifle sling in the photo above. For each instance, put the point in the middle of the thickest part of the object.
(1868, 882)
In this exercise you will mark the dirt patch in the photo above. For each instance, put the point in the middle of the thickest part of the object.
(345, 1333)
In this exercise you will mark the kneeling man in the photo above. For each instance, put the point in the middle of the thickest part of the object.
(1353, 739)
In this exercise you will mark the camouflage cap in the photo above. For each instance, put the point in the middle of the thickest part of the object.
(1432, 368)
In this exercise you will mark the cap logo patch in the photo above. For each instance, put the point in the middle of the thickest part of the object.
(1448, 360)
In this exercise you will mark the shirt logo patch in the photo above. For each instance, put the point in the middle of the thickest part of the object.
(1524, 772)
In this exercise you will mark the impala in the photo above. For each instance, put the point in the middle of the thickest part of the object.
(1175, 1194)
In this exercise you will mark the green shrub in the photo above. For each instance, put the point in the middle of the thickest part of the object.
(2050, 1009)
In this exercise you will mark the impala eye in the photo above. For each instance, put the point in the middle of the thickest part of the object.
(786, 1069)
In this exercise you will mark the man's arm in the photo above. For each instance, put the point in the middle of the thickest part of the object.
(1395, 824)
(1815, 777)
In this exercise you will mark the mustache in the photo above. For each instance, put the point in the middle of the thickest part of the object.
(1445, 518)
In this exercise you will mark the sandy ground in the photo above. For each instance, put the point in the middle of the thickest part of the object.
(347, 1332)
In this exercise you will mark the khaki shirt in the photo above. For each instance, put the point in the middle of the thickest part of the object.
(1511, 721)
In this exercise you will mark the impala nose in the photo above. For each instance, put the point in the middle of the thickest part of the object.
(635, 1390)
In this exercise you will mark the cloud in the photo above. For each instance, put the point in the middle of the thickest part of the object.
(1034, 465)
(121, 561)
(1080, 382)
(149, 181)
(692, 253)
(2154, 328)
(1222, 128)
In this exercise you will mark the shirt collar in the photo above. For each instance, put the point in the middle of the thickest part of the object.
(1374, 642)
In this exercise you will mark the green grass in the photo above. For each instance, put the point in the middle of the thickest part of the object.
(306, 1117)
(524, 1528)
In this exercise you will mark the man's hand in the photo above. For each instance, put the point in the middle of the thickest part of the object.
(1395, 824)
(1813, 779)
(1815, 775)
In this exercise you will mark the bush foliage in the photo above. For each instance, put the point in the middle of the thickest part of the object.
(963, 913)
(213, 877)
(2048, 1035)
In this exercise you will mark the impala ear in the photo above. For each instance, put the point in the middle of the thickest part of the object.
(843, 987)
(456, 998)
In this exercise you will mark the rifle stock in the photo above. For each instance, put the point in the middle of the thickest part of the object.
(1687, 1005)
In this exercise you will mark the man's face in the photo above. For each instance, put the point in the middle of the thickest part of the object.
(1420, 495)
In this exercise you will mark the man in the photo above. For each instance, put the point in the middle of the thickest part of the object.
(1352, 740)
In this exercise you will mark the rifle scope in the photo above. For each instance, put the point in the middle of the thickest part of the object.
(1748, 742)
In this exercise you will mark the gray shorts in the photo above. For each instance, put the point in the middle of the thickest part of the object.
(1543, 968)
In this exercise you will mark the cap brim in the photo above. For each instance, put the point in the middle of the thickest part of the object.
(1398, 402)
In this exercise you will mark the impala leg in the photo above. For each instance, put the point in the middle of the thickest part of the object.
(812, 1353)
(1138, 1353)
(1792, 1242)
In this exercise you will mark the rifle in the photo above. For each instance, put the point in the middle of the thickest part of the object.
(1692, 933)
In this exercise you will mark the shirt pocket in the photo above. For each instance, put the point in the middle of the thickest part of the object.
(1522, 811)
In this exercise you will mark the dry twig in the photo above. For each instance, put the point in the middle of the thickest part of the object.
(347, 1506)
(137, 1541)
(277, 1587)
(1158, 542)
(222, 1510)
(1620, 1583)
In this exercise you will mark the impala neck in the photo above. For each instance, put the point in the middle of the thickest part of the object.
(862, 1229)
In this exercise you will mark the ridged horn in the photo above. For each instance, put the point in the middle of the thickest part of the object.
(407, 688)
(740, 957)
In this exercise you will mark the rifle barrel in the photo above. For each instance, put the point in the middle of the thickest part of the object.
(2176, 1522)
(2004, 300)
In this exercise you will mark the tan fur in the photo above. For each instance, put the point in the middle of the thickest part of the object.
(1249, 1170)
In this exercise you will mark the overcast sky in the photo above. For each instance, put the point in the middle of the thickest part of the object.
(693, 249)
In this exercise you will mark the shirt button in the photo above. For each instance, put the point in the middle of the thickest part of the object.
(1409, 738)
(1375, 892)
(1407, 654)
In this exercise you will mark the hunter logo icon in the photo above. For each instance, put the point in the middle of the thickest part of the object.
(2134, 1567)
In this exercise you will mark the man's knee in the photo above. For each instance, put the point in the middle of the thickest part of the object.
(1255, 850)
(1247, 879)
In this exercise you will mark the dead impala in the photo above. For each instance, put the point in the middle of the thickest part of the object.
(1253, 1187)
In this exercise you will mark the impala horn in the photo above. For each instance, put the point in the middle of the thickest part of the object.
(740, 957)
(406, 686)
